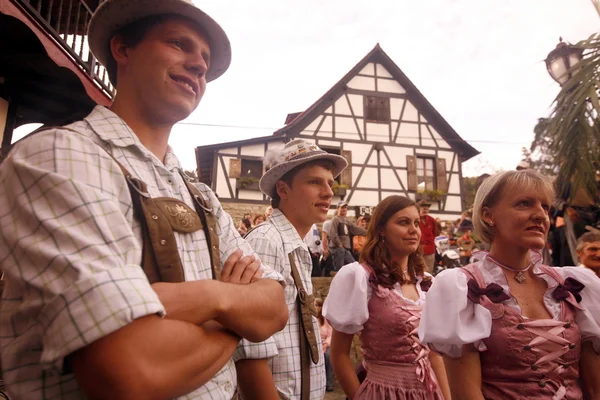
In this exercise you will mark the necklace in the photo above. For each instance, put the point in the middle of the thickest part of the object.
(520, 276)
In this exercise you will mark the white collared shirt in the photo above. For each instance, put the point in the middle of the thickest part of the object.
(273, 240)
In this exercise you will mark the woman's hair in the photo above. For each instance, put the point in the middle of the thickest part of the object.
(257, 216)
(375, 253)
(492, 189)
(320, 317)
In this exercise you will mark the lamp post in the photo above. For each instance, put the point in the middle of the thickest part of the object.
(562, 62)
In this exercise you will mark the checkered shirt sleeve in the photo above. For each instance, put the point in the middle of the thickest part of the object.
(84, 275)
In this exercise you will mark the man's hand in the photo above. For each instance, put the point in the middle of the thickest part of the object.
(325, 253)
(241, 270)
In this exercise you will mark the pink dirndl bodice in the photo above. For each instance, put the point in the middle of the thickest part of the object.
(396, 362)
(529, 358)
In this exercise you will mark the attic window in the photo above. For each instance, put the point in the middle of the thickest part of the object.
(377, 109)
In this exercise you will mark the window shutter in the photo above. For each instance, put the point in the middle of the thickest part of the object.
(440, 167)
(235, 168)
(411, 167)
(346, 177)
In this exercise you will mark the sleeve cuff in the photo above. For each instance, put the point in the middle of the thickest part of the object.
(247, 350)
(93, 308)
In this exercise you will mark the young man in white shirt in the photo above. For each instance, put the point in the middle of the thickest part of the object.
(81, 315)
(299, 178)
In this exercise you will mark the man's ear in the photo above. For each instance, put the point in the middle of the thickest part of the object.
(119, 50)
(282, 189)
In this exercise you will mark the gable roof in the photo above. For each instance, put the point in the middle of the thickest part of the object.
(377, 55)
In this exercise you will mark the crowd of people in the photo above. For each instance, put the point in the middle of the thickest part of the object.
(123, 280)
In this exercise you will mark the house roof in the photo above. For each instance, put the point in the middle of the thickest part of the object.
(296, 122)
(377, 55)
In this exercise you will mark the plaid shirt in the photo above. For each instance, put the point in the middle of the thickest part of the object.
(273, 240)
(71, 250)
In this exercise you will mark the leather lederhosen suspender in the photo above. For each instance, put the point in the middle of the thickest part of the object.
(159, 218)
(308, 339)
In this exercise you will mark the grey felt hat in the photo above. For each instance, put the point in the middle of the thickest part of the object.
(279, 161)
(113, 15)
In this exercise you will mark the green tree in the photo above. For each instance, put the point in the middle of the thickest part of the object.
(540, 155)
(574, 126)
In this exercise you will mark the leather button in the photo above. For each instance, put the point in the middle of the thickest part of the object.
(528, 347)
(542, 384)
(163, 242)
(154, 216)
(572, 346)
(567, 325)
(534, 367)
(520, 326)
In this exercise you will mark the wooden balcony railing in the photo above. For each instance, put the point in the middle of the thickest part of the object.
(67, 22)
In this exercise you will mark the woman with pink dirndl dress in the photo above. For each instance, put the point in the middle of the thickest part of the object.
(383, 304)
(508, 326)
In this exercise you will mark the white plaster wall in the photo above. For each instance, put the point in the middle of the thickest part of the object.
(345, 128)
(381, 71)
(359, 151)
(329, 143)
(398, 155)
(364, 198)
(403, 174)
(358, 105)
(368, 179)
(250, 195)
(440, 141)
(408, 134)
(373, 159)
(389, 86)
(425, 151)
(396, 108)
(355, 172)
(312, 127)
(389, 180)
(342, 107)
(256, 150)
(369, 69)
(454, 184)
(426, 137)
(222, 178)
(448, 156)
(274, 144)
(362, 83)
(410, 112)
(229, 150)
(453, 204)
(378, 132)
(326, 129)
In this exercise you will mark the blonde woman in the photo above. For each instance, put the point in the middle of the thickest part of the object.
(509, 327)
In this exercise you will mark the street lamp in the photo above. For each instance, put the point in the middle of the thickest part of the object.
(561, 60)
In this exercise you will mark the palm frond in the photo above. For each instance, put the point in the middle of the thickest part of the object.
(596, 4)
(574, 126)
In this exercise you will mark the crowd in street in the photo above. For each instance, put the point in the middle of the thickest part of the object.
(124, 280)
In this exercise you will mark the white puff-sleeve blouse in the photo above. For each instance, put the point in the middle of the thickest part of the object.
(347, 304)
(450, 320)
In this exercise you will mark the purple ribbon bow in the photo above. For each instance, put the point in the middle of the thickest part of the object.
(571, 286)
(493, 291)
(426, 284)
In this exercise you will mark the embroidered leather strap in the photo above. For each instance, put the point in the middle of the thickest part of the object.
(209, 224)
(308, 338)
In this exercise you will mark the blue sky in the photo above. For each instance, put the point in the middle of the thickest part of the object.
(478, 62)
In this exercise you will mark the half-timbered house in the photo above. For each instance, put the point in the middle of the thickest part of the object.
(375, 117)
